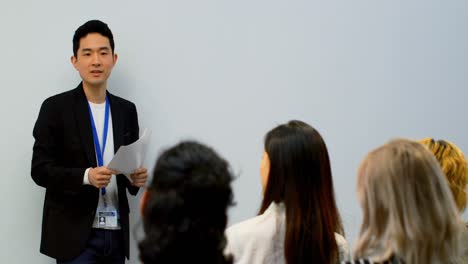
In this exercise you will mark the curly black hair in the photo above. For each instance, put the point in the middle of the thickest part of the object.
(185, 215)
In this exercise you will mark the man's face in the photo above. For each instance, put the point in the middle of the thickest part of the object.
(94, 59)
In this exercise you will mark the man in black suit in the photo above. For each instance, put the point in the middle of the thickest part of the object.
(86, 211)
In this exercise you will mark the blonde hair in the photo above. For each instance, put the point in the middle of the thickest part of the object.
(408, 211)
(454, 165)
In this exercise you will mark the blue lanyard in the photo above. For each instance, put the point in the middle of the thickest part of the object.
(99, 151)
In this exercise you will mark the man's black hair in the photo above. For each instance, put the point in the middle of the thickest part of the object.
(92, 26)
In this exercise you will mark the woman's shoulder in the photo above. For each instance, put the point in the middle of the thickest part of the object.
(343, 247)
(257, 224)
(243, 228)
(253, 240)
(251, 226)
(340, 240)
(393, 260)
(358, 261)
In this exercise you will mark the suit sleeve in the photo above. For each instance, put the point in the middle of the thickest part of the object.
(133, 190)
(46, 168)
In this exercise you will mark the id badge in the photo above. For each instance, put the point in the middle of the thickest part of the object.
(107, 218)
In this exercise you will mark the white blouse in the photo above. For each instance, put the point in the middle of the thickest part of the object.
(261, 238)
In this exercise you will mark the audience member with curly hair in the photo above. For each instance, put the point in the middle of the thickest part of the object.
(184, 208)
(454, 165)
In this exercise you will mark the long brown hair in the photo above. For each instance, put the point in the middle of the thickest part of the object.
(300, 177)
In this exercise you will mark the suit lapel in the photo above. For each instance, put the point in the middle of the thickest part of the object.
(117, 122)
(83, 123)
(117, 130)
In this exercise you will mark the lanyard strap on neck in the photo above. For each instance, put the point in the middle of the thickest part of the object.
(98, 149)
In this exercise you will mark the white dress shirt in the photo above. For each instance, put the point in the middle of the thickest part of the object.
(261, 239)
(112, 199)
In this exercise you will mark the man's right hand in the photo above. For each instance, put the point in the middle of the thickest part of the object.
(100, 176)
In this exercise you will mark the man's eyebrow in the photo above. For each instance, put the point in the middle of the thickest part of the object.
(100, 49)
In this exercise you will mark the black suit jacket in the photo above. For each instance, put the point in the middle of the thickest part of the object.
(63, 150)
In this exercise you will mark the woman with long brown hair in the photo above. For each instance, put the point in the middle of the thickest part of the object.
(298, 221)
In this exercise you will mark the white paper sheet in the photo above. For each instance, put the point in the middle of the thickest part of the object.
(130, 157)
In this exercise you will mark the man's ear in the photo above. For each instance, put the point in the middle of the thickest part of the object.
(143, 202)
(73, 60)
(115, 58)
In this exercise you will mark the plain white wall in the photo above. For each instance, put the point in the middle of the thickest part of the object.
(225, 72)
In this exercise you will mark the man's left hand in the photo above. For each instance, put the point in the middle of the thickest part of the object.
(139, 177)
